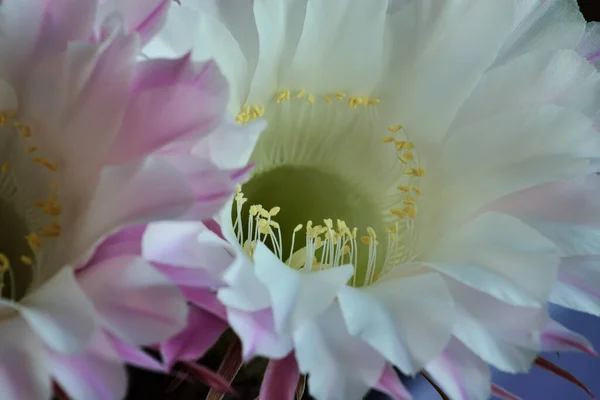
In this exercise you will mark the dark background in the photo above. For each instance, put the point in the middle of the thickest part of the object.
(537, 385)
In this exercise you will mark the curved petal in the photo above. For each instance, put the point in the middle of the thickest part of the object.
(24, 369)
(577, 284)
(392, 316)
(96, 374)
(297, 296)
(134, 301)
(460, 373)
(338, 365)
(499, 255)
(245, 291)
(558, 338)
(200, 334)
(280, 380)
(256, 331)
(145, 17)
(171, 99)
(61, 314)
(134, 355)
(390, 384)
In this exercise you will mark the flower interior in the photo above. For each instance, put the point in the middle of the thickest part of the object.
(29, 208)
(332, 186)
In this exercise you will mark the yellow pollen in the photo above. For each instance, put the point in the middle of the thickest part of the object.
(311, 99)
(340, 95)
(327, 98)
(25, 131)
(26, 260)
(34, 241)
(301, 94)
(388, 139)
(395, 128)
(417, 191)
(46, 163)
(410, 201)
(30, 149)
(373, 102)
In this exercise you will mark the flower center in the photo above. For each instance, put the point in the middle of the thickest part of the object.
(331, 186)
(29, 208)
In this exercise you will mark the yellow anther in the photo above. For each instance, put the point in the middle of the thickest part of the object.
(274, 224)
(416, 190)
(346, 249)
(402, 160)
(412, 213)
(388, 139)
(409, 146)
(264, 213)
(409, 156)
(30, 149)
(394, 128)
(5, 167)
(371, 232)
(253, 210)
(297, 228)
(4, 263)
(3, 119)
(283, 95)
(373, 102)
(340, 95)
(365, 239)
(311, 99)
(328, 223)
(419, 172)
(404, 188)
(353, 102)
(34, 241)
(25, 131)
(327, 98)
(274, 211)
(354, 231)
(26, 260)
(410, 201)
(397, 213)
(45, 163)
(17, 124)
(301, 94)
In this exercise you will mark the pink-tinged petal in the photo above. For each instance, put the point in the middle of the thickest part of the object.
(460, 373)
(134, 301)
(577, 285)
(117, 201)
(501, 393)
(127, 241)
(145, 17)
(200, 334)
(186, 244)
(66, 20)
(392, 315)
(24, 371)
(211, 378)
(281, 379)
(558, 338)
(256, 331)
(590, 44)
(572, 201)
(96, 374)
(134, 355)
(205, 299)
(338, 365)
(171, 99)
(505, 336)
(562, 373)
(499, 255)
(390, 384)
(60, 313)
(190, 280)
(297, 296)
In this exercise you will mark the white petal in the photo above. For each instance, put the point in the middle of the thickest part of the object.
(501, 256)
(245, 291)
(337, 40)
(392, 316)
(461, 374)
(24, 372)
(578, 284)
(454, 35)
(135, 301)
(505, 336)
(572, 240)
(60, 313)
(297, 296)
(558, 338)
(339, 366)
(513, 151)
(547, 25)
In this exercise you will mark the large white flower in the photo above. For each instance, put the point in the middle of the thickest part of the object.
(389, 217)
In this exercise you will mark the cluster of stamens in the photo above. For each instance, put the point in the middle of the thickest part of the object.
(330, 245)
(50, 207)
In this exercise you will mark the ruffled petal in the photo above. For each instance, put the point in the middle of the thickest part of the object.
(460, 373)
(135, 302)
(61, 314)
(501, 256)
(256, 331)
(96, 374)
(392, 315)
(338, 365)
(297, 296)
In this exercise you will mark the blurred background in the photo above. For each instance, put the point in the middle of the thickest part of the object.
(538, 384)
